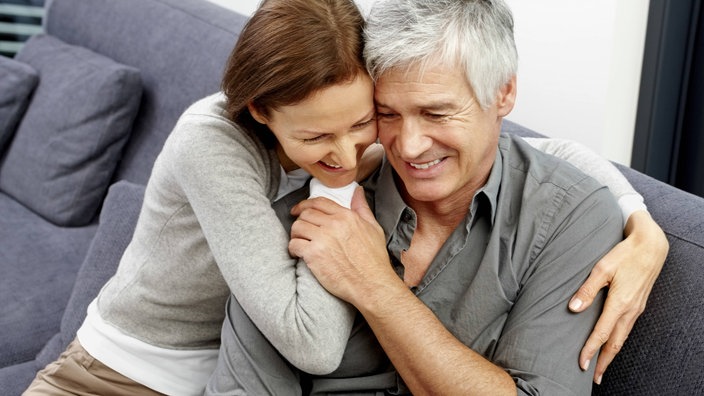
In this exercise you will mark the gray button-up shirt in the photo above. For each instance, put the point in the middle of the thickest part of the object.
(502, 281)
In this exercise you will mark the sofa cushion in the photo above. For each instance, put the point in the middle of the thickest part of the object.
(15, 379)
(17, 81)
(116, 225)
(65, 150)
(38, 266)
(180, 47)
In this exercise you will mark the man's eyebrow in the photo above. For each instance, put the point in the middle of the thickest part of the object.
(435, 106)
(431, 106)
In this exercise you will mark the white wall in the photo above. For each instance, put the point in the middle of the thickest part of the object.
(247, 7)
(579, 68)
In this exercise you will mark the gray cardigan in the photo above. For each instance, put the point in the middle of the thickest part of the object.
(207, 228)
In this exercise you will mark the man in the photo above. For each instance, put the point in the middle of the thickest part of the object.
(476, 243)
(490, 239)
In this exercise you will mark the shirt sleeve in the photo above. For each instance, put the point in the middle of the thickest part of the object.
(595, 166)
(223, 174)
(541, 340)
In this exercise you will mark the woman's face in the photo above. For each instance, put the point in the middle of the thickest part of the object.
(327, 133)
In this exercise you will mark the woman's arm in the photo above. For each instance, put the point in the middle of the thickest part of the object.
(629, 269)
(224, 175)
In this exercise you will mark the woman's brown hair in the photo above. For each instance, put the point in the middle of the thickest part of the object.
(288, 50)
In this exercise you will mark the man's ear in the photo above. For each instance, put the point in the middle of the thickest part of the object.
(258, 117)
(507, 98)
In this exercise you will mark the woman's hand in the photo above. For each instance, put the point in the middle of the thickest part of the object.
(629, 270)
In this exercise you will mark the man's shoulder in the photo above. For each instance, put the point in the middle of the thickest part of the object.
(540, 170)
(543, 197)
(547, 189)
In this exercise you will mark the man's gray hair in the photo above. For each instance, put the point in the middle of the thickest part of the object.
(476, 35)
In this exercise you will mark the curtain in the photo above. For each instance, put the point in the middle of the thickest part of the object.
(669, 136)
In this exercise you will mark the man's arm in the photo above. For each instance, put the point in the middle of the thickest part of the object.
(539, 345)
(629, 270)
(348, 256)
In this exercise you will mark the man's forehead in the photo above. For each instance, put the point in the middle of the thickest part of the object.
(430, 93)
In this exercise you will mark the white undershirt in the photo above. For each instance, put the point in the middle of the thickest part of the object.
(169, 371)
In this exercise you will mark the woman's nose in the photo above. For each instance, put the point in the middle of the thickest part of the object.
(346, 153)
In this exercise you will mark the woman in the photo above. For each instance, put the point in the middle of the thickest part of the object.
(296, 102)
(207, 227)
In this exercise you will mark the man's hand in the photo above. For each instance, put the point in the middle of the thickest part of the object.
(345, 249)
(629, 270)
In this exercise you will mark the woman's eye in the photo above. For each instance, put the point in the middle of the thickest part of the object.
(364, 124)
(314, 139)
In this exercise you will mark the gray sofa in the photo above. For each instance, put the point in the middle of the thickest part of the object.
(72, 178)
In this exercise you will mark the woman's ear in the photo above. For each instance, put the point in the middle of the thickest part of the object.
(258, 117)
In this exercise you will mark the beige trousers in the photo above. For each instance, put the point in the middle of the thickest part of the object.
(76, 372)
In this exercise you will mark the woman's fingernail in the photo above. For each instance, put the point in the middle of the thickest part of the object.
(585, 365)
(598, 380)
(575, 304)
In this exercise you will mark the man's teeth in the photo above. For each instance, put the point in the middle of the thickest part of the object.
(331, 165)
(425, 165)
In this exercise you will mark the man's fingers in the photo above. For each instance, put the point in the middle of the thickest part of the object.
(359, 204)
(304, 228)
(296, 247)
(322, 204)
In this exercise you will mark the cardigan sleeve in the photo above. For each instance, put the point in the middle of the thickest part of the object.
(226, 177)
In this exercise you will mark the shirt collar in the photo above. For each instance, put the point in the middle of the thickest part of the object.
(390, 207)
(388, 203)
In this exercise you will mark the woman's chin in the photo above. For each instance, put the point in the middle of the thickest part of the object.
(336, 180)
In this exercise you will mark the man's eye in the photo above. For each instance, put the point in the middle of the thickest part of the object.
(385, 115)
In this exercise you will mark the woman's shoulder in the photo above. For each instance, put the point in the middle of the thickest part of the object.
(204, 127)
(210, 106)
(206, 140)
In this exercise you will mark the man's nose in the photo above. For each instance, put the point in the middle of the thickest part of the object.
(411, 142)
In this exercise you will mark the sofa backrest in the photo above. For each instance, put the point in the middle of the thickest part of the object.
(166, 41)
(664, 354)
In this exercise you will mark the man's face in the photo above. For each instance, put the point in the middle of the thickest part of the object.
(437, 137)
